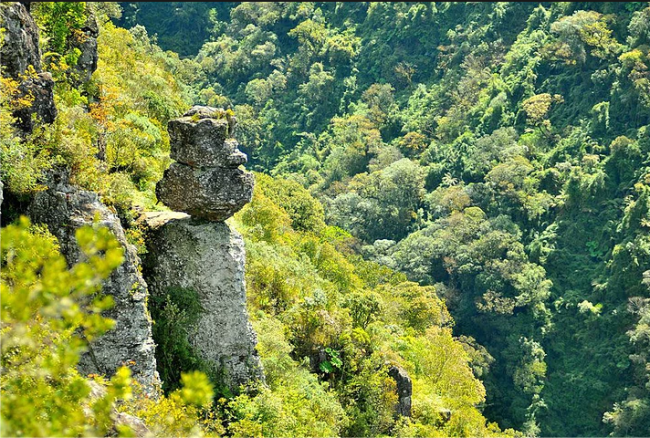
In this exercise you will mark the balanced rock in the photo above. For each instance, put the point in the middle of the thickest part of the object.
(214, 193)
(206, 180)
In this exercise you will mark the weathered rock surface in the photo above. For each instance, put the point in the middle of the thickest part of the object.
(41, 89)
(64, 209)
(20, 49)
(404, 390)
(213, 193)
(203, 143)
(206, 180)
(20, 46)
(209, 258)
(87, 63)
(136, 424)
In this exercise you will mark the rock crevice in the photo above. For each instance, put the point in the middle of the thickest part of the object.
(64, 209)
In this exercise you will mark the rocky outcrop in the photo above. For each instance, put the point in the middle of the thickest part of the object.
(201, 252)
(64, 209)
(134, 423)
(206, 180)
(209, 258)
(213, 193)
(20, 46)
(86, 42)
(40, 89)
(404, 390)
(118, 419)
(20, 50)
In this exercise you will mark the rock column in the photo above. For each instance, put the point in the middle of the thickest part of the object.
(404, 390)
(198, 250)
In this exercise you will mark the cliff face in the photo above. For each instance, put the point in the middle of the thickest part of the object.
(20, 47)
(20, 50)
(201, 252)
(87, 45)
(64, 209)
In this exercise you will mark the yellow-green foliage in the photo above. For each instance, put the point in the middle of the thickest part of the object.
(116, 142)
(22, 161)
(43, 304)
(309, 301)
(306, 213)
(137, 97)
(185, 412)
(49, 312)
(295, 403)
(60, 21)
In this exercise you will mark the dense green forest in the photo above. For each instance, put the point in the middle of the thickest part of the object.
(462, 189)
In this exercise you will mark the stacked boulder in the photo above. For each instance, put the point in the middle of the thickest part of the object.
(200, 253)
(206, 180)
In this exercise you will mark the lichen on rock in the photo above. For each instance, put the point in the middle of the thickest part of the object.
(209, 258)
(206, 180)
(212, 193)
(64, 209)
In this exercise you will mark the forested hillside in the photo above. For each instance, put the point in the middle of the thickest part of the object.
(332, 327)
(498, 151)
(453, 195)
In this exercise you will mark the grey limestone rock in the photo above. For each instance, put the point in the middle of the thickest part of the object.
(206, 180)
(20, 49)
(41, 89)
(64, 209)
(404, 390)
(87, 62)
(20, 46)
(213, 193)
(209, 258)
(136, 424)
(203, 143)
